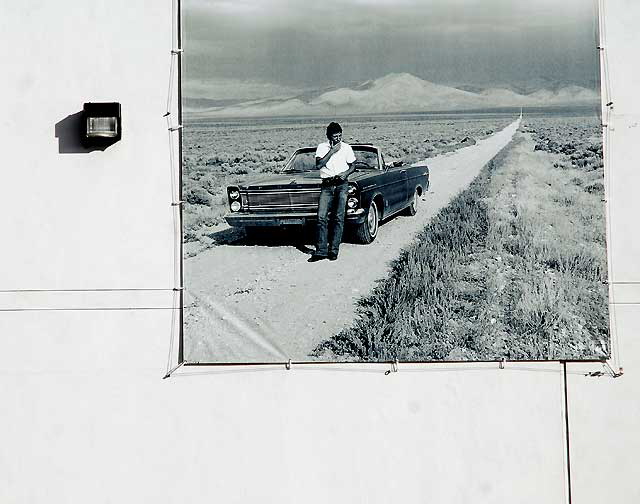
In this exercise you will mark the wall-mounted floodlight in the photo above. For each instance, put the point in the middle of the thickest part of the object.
(101, 124)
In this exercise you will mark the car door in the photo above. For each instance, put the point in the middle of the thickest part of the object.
(395, 188)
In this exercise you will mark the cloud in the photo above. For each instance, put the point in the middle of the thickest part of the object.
(222, 20)
(235, 89)
(304, 43)
(350, 13)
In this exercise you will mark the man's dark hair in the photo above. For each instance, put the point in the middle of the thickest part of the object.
(333, 128)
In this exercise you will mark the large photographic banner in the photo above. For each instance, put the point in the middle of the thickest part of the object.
(372, 181)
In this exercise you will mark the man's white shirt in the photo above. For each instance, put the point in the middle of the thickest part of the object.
(338, 163)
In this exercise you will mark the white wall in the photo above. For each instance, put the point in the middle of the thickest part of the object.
(86, 416)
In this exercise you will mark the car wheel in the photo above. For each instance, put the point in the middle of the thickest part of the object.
(412, 209)
(368, 230)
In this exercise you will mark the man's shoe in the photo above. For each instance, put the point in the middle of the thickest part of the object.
(316, 258)
(332, 257)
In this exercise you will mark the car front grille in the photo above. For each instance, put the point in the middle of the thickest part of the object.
(294, 200)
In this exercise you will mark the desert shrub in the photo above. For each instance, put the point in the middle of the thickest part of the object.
(595, 188)
(197, 196)
(219, 158)
(190, 236)
(585, 147)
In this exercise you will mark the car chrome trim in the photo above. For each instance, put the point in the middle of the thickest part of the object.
(299, 205)
(281, 191)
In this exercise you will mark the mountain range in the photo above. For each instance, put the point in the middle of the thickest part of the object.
(396, 92)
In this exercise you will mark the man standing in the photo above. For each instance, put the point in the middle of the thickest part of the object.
(335, 160)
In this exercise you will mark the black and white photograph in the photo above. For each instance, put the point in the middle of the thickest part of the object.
(375, 181)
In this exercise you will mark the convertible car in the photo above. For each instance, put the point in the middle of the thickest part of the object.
(376, 192)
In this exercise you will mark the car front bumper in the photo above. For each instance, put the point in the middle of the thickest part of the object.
(241, 219)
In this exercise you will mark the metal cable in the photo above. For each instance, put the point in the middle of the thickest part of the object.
(607, 124)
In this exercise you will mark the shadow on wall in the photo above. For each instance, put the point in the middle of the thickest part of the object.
(69, 133)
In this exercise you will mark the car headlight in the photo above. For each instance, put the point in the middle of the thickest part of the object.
(235, 206)
(352, 190)
(352, 202)
(234, 194)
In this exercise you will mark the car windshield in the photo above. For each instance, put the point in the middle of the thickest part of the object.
(305, 160)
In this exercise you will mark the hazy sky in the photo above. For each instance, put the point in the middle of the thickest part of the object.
(256, 48)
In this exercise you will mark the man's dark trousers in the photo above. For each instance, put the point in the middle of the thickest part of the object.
(333, 198)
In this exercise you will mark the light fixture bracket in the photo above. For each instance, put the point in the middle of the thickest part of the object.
(101, 124)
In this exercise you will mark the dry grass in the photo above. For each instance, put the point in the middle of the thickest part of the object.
(417, 313)
(512, 268)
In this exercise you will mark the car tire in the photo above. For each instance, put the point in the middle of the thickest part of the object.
(412, 209)
(368, 230)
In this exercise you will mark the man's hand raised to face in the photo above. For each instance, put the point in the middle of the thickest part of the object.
(335, 148)
(335, 144)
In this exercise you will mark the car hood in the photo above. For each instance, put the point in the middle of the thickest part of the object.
(282, 181)
(290, 180)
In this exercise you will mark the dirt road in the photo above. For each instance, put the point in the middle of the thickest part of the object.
(265, 303)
